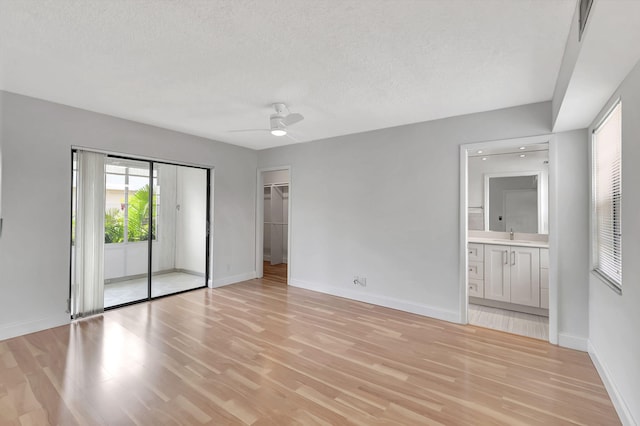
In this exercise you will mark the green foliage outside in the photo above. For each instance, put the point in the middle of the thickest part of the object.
(138, 226)
(113, 226)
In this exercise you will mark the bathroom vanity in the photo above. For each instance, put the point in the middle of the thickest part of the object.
(509, 274)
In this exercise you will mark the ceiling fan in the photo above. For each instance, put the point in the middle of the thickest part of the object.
(279, 121)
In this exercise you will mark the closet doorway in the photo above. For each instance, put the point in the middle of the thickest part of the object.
(140, 230)
(273, 259)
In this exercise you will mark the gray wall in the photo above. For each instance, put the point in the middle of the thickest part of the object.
(34, 246)
(572, 235)
(385, 205)
(191, 221)
(614, 320)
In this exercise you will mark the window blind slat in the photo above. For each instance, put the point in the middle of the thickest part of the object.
(607, 196)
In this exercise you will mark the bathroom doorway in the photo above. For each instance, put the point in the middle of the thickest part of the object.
(505, 236)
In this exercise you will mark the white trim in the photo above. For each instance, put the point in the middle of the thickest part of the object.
(604, 118)
(388, 302)
(616, 397)
(553, 238)
(212, 227)
(573, 342)
(464, 235)
(219, 282)
(554, 241)
(7, 331)
(260, 220)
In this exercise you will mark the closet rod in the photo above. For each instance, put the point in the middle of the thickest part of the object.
(276, 184)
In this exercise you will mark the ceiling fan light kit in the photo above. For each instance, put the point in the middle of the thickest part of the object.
(278, 132)
(279, 121)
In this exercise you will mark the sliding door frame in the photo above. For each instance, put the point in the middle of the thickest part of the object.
(151, 162)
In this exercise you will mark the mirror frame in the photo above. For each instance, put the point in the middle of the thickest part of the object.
(542, 207)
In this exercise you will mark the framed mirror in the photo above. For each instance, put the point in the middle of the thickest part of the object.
(516, 201)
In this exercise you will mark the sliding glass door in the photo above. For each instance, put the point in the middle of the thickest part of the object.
(143, 229)
(127, 229)
(179, 255)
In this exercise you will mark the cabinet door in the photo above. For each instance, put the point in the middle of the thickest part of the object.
(497, 274)
(525, 275)
(476, 288)
(476, 252)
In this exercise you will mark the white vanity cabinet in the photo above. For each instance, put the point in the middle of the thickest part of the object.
(476, 270)
(524, 263)
(512, 274)
(544, 278)
(497, 273)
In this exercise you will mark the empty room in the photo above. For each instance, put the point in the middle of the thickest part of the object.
(319, 212)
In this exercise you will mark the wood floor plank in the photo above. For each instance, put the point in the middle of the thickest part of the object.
(263, 353)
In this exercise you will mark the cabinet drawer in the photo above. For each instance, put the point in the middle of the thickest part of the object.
(544, 279)
(544, 258)
(476, 288)
(476, 252)
(476, 270)
(544, 298)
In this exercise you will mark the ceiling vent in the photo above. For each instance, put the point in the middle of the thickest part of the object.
(585, 8)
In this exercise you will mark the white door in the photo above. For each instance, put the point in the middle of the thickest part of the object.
(277, 220)
(525, 275)
(497, 273)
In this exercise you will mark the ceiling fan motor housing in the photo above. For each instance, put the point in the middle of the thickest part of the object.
(277, 122)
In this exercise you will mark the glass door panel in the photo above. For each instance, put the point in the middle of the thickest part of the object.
(127, 229)
(179, 251)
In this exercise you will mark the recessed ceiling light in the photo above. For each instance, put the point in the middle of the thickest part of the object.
(479, 151)
(484, 158)
(522, 147)
(522, 155)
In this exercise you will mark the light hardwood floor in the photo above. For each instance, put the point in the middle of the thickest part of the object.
(535, 326)
(275, 273)
(262, 353)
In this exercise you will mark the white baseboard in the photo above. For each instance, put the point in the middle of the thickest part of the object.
(616, 398)
(375, 299)
(7, 331)
(219, 282)
(573, 342)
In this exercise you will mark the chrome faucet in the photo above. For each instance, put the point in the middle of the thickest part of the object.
(511, 234)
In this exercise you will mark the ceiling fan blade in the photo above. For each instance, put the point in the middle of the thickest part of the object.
(292, 119)
(248, 130)
(288, 135)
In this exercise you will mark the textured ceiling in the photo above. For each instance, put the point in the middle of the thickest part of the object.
(207, 67)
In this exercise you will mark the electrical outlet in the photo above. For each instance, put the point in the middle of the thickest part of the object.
(361, 281)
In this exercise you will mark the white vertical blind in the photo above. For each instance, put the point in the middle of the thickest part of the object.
(607, 196)
(87, 297)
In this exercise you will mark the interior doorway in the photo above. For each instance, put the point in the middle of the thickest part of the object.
(505, 236)
(140, 230)
(273, 248)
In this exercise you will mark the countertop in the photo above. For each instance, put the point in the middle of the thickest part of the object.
(507, 242)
